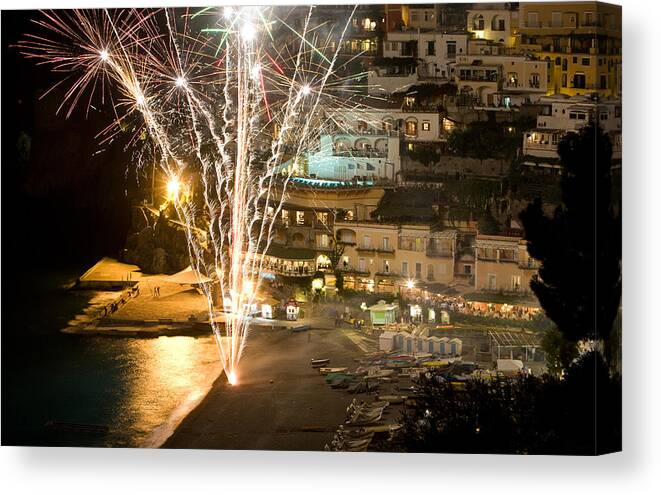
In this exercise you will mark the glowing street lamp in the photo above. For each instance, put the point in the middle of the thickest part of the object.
(173, 189)
(318, 284)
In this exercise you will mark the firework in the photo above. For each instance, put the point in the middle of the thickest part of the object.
(221, 101)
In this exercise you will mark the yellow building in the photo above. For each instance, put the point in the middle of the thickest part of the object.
(580, 41)
(420, 16)
(489, 23)
(386, 257)
(502, 264)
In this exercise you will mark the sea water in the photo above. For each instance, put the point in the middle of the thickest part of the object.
(140, 388)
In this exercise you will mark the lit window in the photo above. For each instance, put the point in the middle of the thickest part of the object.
(425, 126)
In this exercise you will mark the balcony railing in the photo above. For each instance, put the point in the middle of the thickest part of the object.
(481, 257)
(439, 253)
(361, 153)
(366, 249)
(530, 264)
(352, 270)
(478, 78)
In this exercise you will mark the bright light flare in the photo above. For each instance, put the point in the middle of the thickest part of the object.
(232, 379)
(306, 89)
(228, 13)
(104, 55)
(248, 31)
(173, 188)
(410, 284)
(180, 82)
(256, 71)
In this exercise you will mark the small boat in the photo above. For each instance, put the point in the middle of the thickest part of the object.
(301, 328)
(318, 363)
(383, 428)
(325, 371)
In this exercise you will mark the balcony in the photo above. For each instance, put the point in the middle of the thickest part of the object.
(360, 153)
(479, 78)
(365, 249)
(388, 274)
(530, 264)
(353, 271)
(440, 253)
(383, 250)
(495, 259)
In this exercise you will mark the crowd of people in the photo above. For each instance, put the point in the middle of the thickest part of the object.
(458, 304)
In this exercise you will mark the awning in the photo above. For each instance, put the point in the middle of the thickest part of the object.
(188, 276)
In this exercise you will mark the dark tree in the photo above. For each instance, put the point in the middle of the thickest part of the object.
(579, 283)
(487, 223)
(525, 415)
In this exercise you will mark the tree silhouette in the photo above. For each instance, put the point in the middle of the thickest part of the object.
(579, 284)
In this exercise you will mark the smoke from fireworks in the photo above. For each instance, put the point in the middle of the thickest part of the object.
(224, 105)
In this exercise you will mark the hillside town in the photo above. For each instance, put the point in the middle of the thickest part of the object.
(394, 255)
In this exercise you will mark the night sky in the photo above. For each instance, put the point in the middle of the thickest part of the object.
(68, 202)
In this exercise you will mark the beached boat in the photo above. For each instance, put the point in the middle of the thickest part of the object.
(318, 363)
(325, 371)
(382, 428)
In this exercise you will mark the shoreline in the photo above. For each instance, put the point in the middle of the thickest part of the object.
(161, 434)
(280, 403)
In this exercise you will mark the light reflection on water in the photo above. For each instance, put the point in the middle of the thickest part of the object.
(172, 375)
(162, 379)
(139, 388)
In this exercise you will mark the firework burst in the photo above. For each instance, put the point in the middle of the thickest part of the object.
(224, 105)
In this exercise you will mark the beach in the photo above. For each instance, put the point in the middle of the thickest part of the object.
(280, 403)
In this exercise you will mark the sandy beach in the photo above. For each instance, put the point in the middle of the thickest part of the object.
(279, 398)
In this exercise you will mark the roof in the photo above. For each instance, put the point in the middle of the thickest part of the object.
(188, 276)
(290, 253)
(382, 306)
(509, 364)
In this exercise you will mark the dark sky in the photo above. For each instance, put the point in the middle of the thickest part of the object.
(67, 203)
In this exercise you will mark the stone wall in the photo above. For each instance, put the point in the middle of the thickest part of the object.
(451, 165)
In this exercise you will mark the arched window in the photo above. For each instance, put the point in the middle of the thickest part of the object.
(478, 22)
(411, 127)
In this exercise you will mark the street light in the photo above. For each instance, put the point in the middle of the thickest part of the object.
(173, 188)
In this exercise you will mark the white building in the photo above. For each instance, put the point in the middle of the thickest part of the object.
(401, 116)
(561, 114)
(348, 156)
(501, 80)
(425, 57)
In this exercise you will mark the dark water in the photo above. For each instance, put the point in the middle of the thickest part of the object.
(139, 388)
